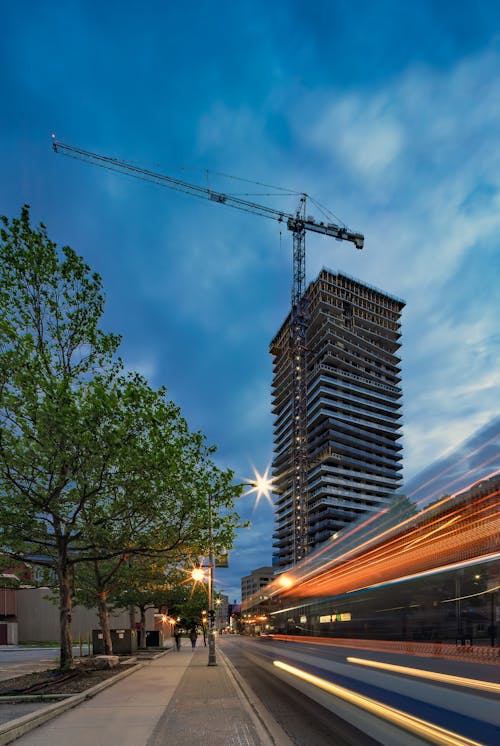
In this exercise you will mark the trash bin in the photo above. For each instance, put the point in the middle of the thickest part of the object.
(124, 641)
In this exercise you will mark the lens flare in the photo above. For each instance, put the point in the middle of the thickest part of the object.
(262, 485)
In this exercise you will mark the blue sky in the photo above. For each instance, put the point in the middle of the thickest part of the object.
(386, 112)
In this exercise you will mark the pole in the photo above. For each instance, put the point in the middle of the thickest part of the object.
(212, 661)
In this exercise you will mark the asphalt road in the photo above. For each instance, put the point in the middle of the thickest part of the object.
(310, 715)
(16, 660)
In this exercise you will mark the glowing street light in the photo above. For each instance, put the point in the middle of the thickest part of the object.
(197, 574)
(262, 484)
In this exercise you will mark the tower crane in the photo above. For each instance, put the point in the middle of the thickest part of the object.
(298, 223)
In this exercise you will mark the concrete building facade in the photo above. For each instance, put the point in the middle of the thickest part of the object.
(257, 579)
(221, 612)
(354, 402)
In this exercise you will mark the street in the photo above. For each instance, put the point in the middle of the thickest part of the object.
(16, 660)
(309, 714)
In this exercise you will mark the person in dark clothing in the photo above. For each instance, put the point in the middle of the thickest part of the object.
(193, 636)
(177, 638)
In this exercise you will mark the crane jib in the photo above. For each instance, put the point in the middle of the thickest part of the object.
(298, 223)
(217, 197)
(295, 223)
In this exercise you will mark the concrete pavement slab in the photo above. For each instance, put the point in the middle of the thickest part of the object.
(175, 699)
(208, 709)
(125, 712)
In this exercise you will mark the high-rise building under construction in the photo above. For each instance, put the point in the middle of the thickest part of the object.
(352, 459)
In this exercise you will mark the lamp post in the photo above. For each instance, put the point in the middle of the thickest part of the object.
(198, 575)
(212, 660)
(262, 484)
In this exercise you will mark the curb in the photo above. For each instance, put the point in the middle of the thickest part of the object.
(16, 728)
(268, 730)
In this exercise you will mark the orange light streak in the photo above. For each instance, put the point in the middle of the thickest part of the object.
(398, 528)
(468, 530)
(355, 576)
(413, 547)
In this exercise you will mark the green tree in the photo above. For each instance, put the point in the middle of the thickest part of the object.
(95, 466)
(145, 584)
(162, 478)
(50, 346)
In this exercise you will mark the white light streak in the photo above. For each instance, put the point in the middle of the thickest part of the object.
(429, 731)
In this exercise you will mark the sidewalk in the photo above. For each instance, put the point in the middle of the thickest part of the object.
(174, 699)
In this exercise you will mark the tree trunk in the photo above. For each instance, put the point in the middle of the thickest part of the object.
(142, 610)
(131, 616)
(65, 606)
(104, 622)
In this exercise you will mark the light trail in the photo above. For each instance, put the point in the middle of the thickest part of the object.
(429, 731)
(471, 595)
(465, 532)
(465, 459)
(416, 576)
(392, 540)
(486, 686)
(388, 565)
(423, 537)
(456, 531)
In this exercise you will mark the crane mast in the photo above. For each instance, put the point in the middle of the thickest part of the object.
(298, 224)
(298, 359)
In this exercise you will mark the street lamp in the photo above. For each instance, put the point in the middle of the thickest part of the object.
(212, 661)
(197, 574)
(262, 485)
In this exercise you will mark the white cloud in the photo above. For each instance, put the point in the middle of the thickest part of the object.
(365, 135)
(418, 163)
(410, 156)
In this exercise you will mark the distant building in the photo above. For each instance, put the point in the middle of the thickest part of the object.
(353, 389)
(221, 611)
(257, 579)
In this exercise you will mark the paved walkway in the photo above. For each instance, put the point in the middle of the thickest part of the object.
(174, 699)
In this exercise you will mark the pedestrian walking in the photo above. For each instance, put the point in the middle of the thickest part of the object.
(193, 636)
(177, 638)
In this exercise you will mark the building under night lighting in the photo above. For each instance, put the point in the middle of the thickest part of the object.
(257, 579)
(353, 410)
